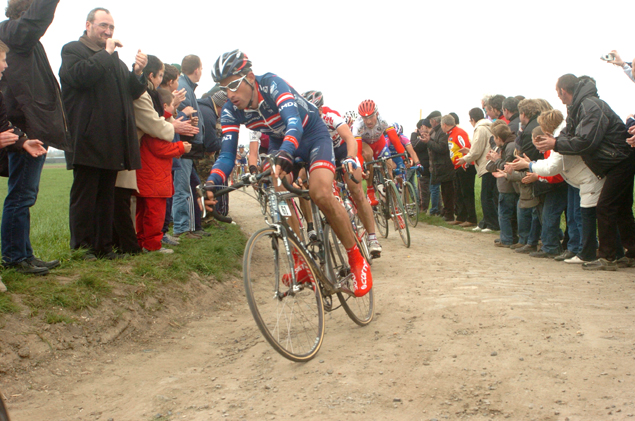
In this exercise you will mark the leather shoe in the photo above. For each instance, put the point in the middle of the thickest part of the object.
(28, 268)
(567, 254)
(42, 264)
(526, 249)
(543, 254)
(456, 222)
(467, 224)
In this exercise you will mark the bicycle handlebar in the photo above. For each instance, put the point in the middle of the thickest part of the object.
(344, 168)
(386, 158)
(288, 186)
(246, 182)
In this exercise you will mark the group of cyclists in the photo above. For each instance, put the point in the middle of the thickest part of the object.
(308, 141)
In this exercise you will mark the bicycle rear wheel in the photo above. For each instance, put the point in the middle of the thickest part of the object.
(292, 323)
(397, 213)
(410, 203)
(360, 309)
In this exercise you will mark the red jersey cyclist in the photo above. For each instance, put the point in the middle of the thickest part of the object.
(345, 149)
(370, 131)
(268, 104)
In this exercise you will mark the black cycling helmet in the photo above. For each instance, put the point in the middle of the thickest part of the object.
(314, 97)
(232, 63)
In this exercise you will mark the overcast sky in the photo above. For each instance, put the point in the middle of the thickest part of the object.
(408, 56)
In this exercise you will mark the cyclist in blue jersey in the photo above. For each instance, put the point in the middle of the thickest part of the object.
(296, 131)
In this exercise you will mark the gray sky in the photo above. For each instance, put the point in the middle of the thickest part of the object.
(405, 55)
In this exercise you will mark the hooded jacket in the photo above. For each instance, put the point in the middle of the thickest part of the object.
(593, 131)
(480, 146)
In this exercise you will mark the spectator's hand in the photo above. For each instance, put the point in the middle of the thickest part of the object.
(179, 96)
(187, 147)
(34, 148)
(194, 121)
(141, 61)
(184, 127)
(617, 60)
(631, 130)
(499, 174)
(545, 143)
(461, 162)
(519, 163)
(188, 111)
(493, 155)
(464, 151)
(111, 44)
(425, 138)
(530, 178)
(508, 169)
(8, 138)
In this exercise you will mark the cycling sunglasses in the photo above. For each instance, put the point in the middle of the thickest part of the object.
(233, 86)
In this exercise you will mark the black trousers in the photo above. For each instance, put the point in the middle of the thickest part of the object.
(92, 206)
(447, 193)
(465, 206)
(124, 236)
(615, 211)
(489, 202)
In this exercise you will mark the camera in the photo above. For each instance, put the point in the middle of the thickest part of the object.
(608, 57)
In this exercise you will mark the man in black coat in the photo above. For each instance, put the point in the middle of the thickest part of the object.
(98, 90)
(421, 148)
(33, 101)
(599, 136)
(441, 166)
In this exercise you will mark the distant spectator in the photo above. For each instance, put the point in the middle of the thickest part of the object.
(510, 111)
(32, 96)
(494, 108)
(98, 90)
(464, 174)
(507, 196)
(477, 154)
(183, 202)
(441, 166)
(420, 146)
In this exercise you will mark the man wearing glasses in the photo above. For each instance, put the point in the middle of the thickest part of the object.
(269, 105)
(98, 90)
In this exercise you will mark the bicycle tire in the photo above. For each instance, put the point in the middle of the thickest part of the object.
(410, 203)
(397, 213)
(360, 309)
(4, 414)
(380, 213)
(294, 323)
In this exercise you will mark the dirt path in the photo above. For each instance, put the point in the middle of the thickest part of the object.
(463, 330)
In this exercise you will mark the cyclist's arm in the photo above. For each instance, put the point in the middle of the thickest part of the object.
(252, 158)
(394, 139)
(290, 114)
(412, 154)
(360, 145)
(227, 158)
(351, 144)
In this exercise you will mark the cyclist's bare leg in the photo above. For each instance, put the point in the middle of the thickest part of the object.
(363, 207)
(367, 153)
(293, 219)
(321, 191)
(305, 206)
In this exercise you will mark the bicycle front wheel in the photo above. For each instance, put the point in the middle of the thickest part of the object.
(410, 204)
(397, 213)
(381, 214)
(292, 322)
(360, 309)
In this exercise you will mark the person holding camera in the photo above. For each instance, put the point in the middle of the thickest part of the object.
(614, 58)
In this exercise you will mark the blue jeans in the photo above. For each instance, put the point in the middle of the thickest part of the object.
(574, 221)
(435, 199)
(182, 205)
(554, 205)
(507, 203)
(23, 187)
(528, 225)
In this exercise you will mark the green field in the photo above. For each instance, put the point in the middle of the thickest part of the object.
(77, 284)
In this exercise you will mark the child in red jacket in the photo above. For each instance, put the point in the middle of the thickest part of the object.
(154, 181)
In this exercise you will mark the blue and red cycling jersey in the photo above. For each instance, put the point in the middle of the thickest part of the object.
(282, 113)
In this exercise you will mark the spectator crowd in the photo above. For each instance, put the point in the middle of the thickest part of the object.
(142, 132)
